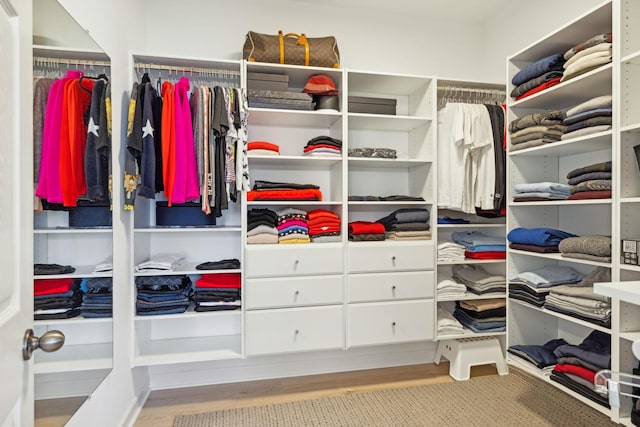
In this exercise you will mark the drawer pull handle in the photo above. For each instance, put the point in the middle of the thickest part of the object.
(393, 260)
(393, 324)
(296, 293)
(295, 263)
(297, 331)
(393, 288)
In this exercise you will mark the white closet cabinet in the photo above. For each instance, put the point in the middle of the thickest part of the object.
(294, 294)
(390, 284)
(551, 162)
(191, 336)
(86, 357)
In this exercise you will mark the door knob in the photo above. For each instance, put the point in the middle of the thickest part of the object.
(50, 341)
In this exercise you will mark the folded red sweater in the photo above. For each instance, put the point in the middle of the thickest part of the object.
(263, 145)
(581, 371)
(366, 227)
(486, 255)
(306, 194)
(219, 280)
(540, 88)
(314, 147)
(322, 213)
(51, 286)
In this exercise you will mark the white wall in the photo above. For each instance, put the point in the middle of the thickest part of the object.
(53, 26)
(368, 39)
(520, 24)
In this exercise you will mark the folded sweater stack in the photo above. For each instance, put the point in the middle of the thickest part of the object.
(538, 76)
(593, 248)
(56, 298)
(217, 292)
(324, 226)
(540, 191)
(283, 191)
(591, 181)
(480, 246)
(293, 226)
(262, 226)
(324, 146)
(588, 55)
(589, 117)
(538, 239)
(407, 224)
(536, 129)
(478, 280)
(262, 148)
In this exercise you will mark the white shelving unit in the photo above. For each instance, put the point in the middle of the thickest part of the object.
(190, 336)
(551, 162)
(390, 284)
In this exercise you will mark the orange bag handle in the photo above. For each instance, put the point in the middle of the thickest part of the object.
(302, 40)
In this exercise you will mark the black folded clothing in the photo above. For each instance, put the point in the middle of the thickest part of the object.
(50, 269)
(224, 264)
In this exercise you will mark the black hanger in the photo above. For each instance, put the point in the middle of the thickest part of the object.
(146, 78)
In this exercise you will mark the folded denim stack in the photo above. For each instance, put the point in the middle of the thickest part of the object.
(162, 294)
(97, 300)
(217, 292)
(540, 191)
(56, 298)
(481, 246)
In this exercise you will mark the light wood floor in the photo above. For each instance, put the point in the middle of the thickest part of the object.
(163, 405)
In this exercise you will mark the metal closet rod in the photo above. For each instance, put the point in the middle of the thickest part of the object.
(47, 60)
(472, 90)
(150, 66)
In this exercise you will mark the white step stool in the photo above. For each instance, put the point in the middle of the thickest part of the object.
(462, 353)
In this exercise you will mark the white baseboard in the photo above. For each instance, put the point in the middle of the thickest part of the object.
(289, 365)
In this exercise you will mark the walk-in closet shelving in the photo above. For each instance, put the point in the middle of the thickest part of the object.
(551, 163)
(286, 308)
(86, 357)
(390, 283)
(190, 336)
(459, 91)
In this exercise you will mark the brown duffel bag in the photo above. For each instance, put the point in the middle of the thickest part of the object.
(291, 49)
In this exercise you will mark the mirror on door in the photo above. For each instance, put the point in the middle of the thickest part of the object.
(72, 234)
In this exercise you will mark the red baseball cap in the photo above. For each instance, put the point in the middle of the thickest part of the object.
(320, 84)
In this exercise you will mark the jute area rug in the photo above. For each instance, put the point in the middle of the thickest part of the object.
(517, 399)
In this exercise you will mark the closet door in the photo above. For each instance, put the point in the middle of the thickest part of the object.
(166, 336)
(79, 237)
(391, 150)
(552, 162)
(283, 280)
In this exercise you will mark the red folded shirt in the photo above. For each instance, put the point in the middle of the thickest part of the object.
(581, 371)
(219, 280)
(263, 145)
(540, 88)
(322, 213)
(486, 255)
(366, 227)
(51, 286)
(306, 194)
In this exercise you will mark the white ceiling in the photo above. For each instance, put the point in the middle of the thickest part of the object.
(469, 11)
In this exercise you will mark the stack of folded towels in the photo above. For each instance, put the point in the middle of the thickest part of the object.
(447, 324)
(262, 226)
(589, 117)
(536, 129)
(588, 55)
(323, 146)
(262, 148)
(324, 226)
(293, 226)
(590, 182)
(450, 252)
(448, 289)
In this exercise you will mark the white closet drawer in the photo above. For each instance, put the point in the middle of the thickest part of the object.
(370, 257)
(293, 292)
(390, 286)
(387, 323)
(287, 260)
(296, 329)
